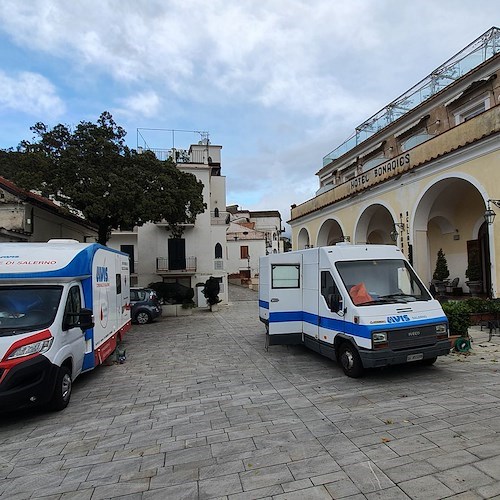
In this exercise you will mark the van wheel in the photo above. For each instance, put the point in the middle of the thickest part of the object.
(143, 317)
(62, 391)
(350, 360)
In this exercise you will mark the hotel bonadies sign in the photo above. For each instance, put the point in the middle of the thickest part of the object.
(381, 172)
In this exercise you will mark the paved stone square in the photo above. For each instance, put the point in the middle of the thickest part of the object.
(200, 410)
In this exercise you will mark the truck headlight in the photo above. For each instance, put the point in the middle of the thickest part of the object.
(35, 348)
(379, 337)
(442, 331)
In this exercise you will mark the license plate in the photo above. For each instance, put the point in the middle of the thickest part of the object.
(415, 357)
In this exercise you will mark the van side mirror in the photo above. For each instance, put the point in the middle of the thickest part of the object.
(83, 319)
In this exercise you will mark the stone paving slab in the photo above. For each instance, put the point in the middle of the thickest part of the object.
(200, 410)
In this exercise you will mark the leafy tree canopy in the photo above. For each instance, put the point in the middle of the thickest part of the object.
(90, 169)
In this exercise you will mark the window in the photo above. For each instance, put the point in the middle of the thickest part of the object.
(374, 162)
(244, 252)
(471, 109)
(414, 140)
(218, 251)
(130, 250)
(216, 212)
(118, 283)
(285, 276)
(329, 289)
(73, 308)
(381, 281)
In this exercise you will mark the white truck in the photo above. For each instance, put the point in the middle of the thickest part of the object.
(64, 306)
(362, 305)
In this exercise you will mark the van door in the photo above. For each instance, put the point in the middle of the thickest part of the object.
(285, 299)
(331, 308)
(72, 334)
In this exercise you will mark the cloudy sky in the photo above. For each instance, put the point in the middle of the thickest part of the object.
(277, 83)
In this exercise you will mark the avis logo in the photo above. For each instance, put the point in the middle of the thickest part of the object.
(101, 274)
(398, 319)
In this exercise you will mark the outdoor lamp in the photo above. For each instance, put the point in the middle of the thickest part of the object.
(394, 233)
(489, 215)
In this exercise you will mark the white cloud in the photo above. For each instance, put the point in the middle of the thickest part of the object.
(278, 83)
(30, 93)
(144, 104)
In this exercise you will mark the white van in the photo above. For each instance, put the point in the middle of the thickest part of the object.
(64, 306)
(362, 305)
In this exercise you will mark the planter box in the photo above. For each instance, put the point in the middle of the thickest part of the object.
(184, 311)
(173, 310)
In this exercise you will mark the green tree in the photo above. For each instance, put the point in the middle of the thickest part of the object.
(441, 272)
(91, 170)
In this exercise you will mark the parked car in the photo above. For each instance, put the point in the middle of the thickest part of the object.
(145, 305)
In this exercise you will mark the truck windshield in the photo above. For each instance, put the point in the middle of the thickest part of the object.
(27, 308)
(381, 281)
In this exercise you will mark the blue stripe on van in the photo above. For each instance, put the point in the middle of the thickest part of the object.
(340, 325)
(264, 304)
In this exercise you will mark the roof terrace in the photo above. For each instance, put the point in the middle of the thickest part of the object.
(481, 49)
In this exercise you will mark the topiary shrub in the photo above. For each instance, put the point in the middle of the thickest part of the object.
(211, 291)
(458, 314)
(441, 272)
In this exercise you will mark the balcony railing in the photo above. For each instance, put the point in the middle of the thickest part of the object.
(186, 265)
(481, 49)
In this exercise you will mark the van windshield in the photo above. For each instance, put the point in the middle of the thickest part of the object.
(381, 281)
(27, 308)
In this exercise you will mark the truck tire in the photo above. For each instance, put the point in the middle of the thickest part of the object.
(143, 317)
(62, 392)
(350, 361)
(428, 361)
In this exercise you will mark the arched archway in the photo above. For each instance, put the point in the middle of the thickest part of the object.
(303, 239)
(330, 233)
(375, 226)
(449, 216)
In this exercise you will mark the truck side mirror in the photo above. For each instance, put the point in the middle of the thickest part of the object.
(83, 319)
(86, 320)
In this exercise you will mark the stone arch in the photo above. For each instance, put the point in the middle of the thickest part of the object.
(330, 233)
(375, 225)
(448, 214)
(303, 239)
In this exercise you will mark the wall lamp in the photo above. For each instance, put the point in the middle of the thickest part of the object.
(489, 215)
(394, 233)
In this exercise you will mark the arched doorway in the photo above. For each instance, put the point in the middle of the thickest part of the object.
(330, 233)
(450, 216)
(375, 226)
(303, 240)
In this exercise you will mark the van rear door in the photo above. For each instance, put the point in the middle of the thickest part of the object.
(285, 299)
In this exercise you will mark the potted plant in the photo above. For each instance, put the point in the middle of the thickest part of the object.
(441, 272)
(474, 274)
(187, 304)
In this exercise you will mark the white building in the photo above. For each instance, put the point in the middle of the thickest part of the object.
(201, 252)
(244, 247)
(29, 217)
(251, 235)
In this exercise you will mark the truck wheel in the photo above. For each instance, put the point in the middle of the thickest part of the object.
(62, 391)
(429, 361)
(143, 317)
(350, 360)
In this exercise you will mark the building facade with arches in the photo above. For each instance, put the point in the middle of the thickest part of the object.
(422, 173)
